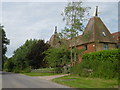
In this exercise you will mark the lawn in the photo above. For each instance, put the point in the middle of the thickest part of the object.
(83, 82)
(40, 74)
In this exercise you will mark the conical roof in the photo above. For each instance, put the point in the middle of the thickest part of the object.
(54, 40)
(97, 31)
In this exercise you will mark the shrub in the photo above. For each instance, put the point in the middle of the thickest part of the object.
(27, 69)
(57, 58)
(102, 64)
(8, 65)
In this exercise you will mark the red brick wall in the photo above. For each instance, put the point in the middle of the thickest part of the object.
(116, 36)
(90, 48)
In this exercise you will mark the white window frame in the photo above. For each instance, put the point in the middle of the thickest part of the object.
(105, 46)
(104, 34)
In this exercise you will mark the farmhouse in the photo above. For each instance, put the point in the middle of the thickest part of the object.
(96, 37)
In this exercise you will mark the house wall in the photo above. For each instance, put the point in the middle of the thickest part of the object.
(90, 47)
(111, 46)
(116, 36)
(100, 46)
(96, 47)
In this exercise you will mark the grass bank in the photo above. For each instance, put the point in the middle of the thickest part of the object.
(83, 82)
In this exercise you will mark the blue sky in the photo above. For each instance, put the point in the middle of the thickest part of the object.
(29, 20)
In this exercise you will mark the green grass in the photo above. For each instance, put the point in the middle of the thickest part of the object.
(83, 82)
(40, 74)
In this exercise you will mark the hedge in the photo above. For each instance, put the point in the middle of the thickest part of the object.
(101, 64)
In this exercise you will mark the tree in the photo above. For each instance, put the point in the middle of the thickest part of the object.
(57, 57)
(74, 16)
(19, 58)
(36, 56)
(4, 44)
(9, 65)
(28, 56)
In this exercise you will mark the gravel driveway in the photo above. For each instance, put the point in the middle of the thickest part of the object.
(52, 77)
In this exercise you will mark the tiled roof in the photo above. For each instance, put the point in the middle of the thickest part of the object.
(98, 31)
(95, 31)
(54, 40)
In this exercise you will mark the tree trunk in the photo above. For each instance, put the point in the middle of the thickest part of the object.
(71, 56)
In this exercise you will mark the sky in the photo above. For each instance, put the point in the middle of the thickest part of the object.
(36, 20)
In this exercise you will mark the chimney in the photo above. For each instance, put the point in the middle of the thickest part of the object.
(55, 30)
(96, 12)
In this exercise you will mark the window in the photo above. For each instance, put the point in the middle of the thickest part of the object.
(103, 33)
(105, 46)
(85, 47)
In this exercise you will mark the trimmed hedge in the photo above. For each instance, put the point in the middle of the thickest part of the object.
(101, 64)
(44, 70)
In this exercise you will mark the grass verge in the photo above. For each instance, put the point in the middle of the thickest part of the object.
(40, 74)
(83, 82)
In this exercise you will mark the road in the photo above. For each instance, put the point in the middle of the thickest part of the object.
(10, 80)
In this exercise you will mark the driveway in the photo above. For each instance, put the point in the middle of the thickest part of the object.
(52, 76)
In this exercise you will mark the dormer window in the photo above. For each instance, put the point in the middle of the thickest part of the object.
(103, 33)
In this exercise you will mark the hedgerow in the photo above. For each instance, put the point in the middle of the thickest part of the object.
(102, 64)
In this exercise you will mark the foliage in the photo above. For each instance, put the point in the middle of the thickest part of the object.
(19, 57)
(8, 66)
(36, 56)
(74, 15)
(57, 57)
(102, 64)
(5, 42)
(27, 56)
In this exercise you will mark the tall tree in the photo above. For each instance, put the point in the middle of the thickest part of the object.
(5, 42)
(29, 55)
(19, 58)
(36, 55)
(74, 16)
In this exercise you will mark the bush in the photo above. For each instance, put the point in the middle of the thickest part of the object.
(57, 58)
(102, 64)
(27, 69)
(8, 65)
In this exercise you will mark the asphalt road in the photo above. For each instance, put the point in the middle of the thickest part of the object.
(10, 80)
